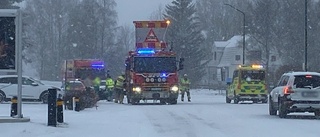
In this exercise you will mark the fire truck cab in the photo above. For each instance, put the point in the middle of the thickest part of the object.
(151, 70)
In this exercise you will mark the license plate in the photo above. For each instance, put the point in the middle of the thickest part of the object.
(310, 94)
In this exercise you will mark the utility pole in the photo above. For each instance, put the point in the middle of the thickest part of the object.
(306, 35)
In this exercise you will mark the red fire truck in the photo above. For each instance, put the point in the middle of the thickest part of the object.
(81, 68)
(152, 69)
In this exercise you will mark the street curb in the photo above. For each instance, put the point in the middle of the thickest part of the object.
(5, 119)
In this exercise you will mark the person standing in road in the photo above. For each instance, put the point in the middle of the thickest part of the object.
(96, 84)
(185, 87)
(119, 86)
(109, 88)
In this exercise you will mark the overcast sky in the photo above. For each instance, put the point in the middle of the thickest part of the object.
(130, 10)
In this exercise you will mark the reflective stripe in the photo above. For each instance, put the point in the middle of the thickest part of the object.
(119, 83)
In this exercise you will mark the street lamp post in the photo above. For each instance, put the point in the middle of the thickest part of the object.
(244, 32)
(306, 35)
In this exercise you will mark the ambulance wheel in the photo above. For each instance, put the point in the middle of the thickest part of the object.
(228, 100)
(265, 101)
(236, 99)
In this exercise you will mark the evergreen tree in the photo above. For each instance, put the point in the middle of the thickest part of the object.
(117, 54)
(186, 38)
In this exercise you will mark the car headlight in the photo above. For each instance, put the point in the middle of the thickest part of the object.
(152, 79)
(147, 80)
(137, 89)
(174, 88)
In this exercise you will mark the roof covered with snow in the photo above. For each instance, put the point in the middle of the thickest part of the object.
(232, 48)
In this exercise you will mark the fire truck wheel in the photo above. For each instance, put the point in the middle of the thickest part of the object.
(162, 101)
(173, 101)
(135, 101)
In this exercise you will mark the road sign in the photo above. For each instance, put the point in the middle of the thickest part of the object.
(151, 37)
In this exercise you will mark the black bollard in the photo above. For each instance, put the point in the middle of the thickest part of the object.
(77, 104)
(52, 107)
(60, 110)
(14, 106)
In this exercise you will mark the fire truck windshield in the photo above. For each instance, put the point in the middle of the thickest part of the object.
(154, 64)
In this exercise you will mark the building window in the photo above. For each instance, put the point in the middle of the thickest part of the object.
(273, 58)
(238, 57)
(215, 55)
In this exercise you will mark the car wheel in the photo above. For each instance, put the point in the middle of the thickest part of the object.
(272, 111)
(2, 97)
(44, 97)
(227, 99)
(317, 114)
(282, 109)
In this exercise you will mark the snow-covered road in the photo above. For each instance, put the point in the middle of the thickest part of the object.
(206, 116)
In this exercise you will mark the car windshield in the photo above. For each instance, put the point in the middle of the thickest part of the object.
(306, 81)
(155, 64)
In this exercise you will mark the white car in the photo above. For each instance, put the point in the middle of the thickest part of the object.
(32, 89)
(296, 92)
(102, 85)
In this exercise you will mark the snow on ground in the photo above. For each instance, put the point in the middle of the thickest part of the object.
(206, 116)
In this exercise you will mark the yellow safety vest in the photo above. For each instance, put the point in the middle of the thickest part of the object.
(109, 83)
(184, 84)
(96, 81)
(120, 81)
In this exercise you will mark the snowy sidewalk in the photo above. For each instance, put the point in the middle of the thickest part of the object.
(7, 119)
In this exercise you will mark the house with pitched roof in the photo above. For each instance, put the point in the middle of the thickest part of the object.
(227, 56)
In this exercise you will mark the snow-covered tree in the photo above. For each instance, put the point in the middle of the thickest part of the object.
(46, 29)
(68, 29)
(186, 38)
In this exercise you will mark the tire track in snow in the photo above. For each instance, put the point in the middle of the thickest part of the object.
(210, 124)
(167, 123)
